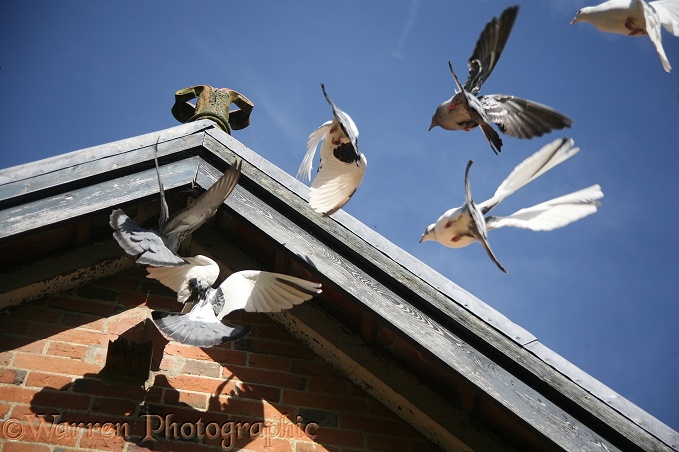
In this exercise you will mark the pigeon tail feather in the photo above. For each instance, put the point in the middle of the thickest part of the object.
(187, 331)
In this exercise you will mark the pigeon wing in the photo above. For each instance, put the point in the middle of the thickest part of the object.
(668, 13)
(335, 184)
(478, 222)
(522, 118)
(304, 171)
(654, 29)
(549, 156)
(148, 246)
(345, 121)
(489, 48)
(258, 291)
(552, 214)
(188, 220)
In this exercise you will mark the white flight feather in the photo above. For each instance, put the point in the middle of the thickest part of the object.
(552, 214)
(335, 183)
(304, 171)
(549, 156)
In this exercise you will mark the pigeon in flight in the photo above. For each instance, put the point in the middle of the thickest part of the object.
(160, 247)
(200, 323)
(461, 226)
(514, 116)
(635, 18)
(342, 165)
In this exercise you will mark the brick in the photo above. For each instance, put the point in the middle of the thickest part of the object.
(261, 443)
(22, 344)
(42, 380)
(250, 318)
(315, 447)
(54, 364)
(339, 437)
(103, 440)
(276, 333)
(33, 312)
(4, 409)
(317, 367)
(116, 407)
(12, 376)
(192, 399)
(95, 292)
(386, 443)
(322, 418)
(81, 305)
(251, 391)
(18, 394)
(74, 335)
(152, 301)
(268, 362)
(291, 350)
(169, 446)
(329, 386)
(265, 377)
(6, 358)
(51, 398)
(120, 283)
(168, 363)
(215, 354)
(126, 321)
(199, 384)
(83, 321)
(339, 404)
(94, 386)
(247, 409)
(57, 348)
(16, 327)
(11, 446)
(203, 368)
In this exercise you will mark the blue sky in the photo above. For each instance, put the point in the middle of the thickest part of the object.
(601, 292)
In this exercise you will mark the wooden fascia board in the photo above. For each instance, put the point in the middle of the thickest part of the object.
(74, 168)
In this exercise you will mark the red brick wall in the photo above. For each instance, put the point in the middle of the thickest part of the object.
(268, 386)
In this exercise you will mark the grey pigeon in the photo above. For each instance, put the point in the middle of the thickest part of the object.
(461, 226)
(250, 290)
(159, 247)
(514, 116)
(342, 165)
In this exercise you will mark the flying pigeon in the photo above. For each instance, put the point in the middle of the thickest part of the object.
(461, 226)
(342, 165)
(250, 290)
(159, 247)
(514, 116)
(635, 18)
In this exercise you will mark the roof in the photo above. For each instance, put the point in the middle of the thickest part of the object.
(456, 369)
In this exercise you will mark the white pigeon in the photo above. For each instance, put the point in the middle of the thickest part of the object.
(342, 165)
(635, 18)
(250, 290)
(159, 247)
(461, 226)
(514, 116)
